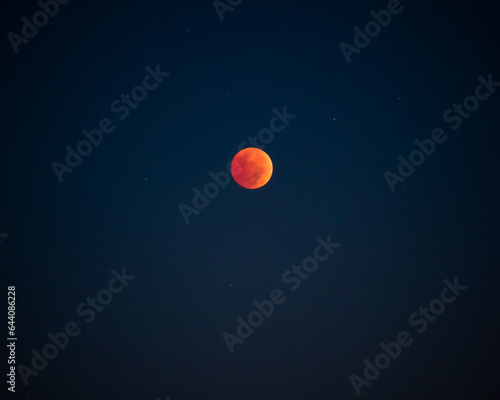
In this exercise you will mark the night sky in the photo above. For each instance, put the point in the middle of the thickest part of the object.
(367, 267)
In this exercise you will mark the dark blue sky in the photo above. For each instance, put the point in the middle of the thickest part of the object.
(116, 215)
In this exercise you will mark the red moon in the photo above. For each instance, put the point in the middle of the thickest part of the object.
(251, 168)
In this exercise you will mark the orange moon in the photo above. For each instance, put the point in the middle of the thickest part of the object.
(251, 168)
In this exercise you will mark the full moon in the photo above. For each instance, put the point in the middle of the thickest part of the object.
(251, 168)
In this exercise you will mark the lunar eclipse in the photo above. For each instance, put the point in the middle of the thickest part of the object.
(251, 168)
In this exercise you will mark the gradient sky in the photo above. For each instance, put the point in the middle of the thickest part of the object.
(213, 84)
